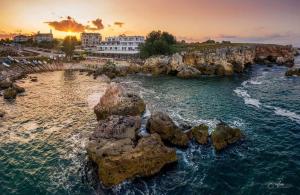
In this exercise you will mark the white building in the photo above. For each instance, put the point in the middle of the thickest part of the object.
(40, 37)
(90, 39)
(120, 45)
(21, 38)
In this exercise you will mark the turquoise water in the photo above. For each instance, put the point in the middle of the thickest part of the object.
(52, 160)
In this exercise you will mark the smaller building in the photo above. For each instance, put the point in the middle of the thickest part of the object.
(21, 38)
(43, 37)
(90, 39)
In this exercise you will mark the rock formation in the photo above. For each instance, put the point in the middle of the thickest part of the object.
(221, 61)
(162, 124)
(200, 133)
(225, 135)
(118, 101)
(115, 146)
(293, 72)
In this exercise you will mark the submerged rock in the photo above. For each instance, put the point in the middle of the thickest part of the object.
(118, 101)
(200, 133)
(162, 124)
(10, 93)
(225, 135)
(293, 72)
(112, 147)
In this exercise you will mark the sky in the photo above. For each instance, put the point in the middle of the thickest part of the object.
(265, 21)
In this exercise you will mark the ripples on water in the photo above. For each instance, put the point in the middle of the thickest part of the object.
(42, 140)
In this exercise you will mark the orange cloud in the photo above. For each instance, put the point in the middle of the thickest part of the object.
(98, 23)
(66, 25)
(120, 24)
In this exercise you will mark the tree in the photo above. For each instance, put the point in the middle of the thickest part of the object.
(158, 43)
(68, 46)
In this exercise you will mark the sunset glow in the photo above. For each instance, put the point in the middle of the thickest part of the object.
(193, 20)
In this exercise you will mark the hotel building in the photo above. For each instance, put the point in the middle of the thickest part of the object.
(89, 40)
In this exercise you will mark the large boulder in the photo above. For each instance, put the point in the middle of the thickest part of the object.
(157, 65)
(225, 135)
(188, 72)
(293, 72)
(118, 101)
(113, 136)
(200, 133)
(112, 147)
(162, 124)
(10, 93)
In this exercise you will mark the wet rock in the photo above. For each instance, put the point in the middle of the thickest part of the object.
(10, 93)
(4, 84)
(200, 133)
(162, 124)
(293, 72)
(118, 101)
(112, 147)
(187, 72)
(225, 135)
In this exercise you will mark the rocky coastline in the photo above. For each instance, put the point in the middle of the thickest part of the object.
(121, 153)
(223, 61)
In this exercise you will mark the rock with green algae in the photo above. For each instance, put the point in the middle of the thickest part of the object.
(225, 135)
(162, 124)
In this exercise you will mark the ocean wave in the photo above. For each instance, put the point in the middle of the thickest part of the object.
(247, 98)
(291, 115)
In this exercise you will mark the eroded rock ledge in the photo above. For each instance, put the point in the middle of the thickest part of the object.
(221, 61)
(119, 152)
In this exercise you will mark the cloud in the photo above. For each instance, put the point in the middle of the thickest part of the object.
(119, 24)
(97, 25)
(68, 24)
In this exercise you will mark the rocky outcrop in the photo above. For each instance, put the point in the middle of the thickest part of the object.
(118, 101)
(200, 133)
(147, 158)
(157, 65)
(293, 72)
(225, 135)
(223, 61)
(162, 124)
(115, 145)
(281, 55)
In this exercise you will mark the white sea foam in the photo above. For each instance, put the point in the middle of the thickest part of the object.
(254, 82)
(247, 98)
(291, 115)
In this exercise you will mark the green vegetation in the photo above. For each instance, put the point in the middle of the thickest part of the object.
(158, 43)
(68, 46)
